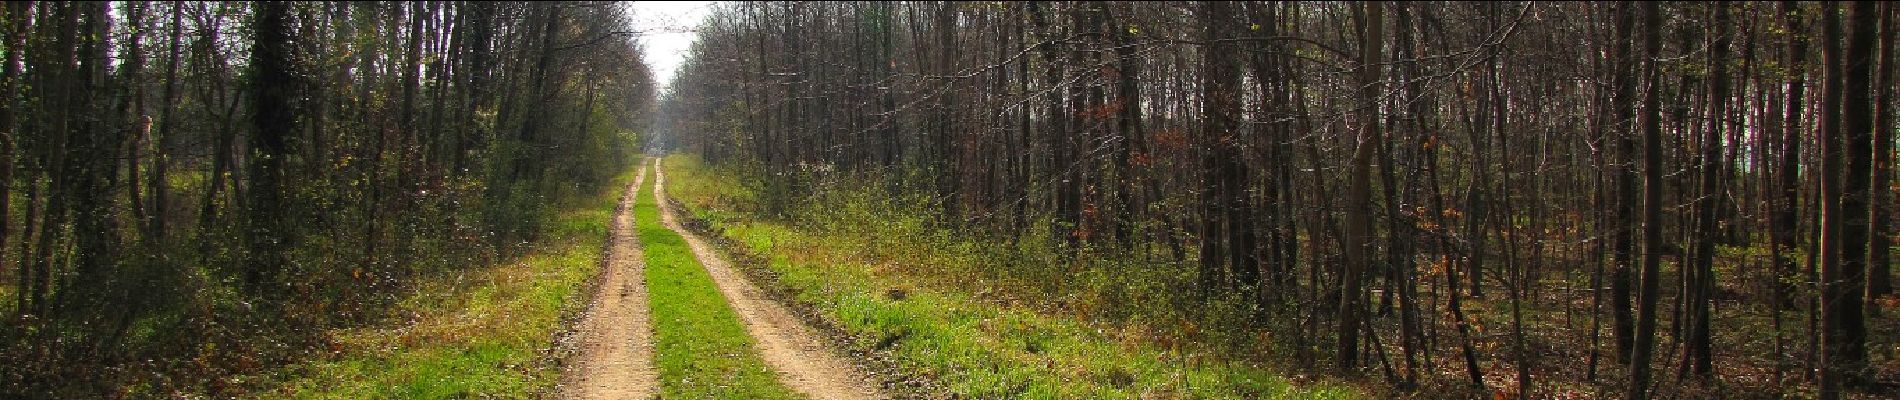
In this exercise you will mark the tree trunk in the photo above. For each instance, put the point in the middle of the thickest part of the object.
(17, 19)
(136, 124)
(1784, 221)
(1697, 350)
(273, 87)
(90, 163)
(1880, 238)
(1847, 137)
(1357, 237)
(158, 182)
(1625, 225)
(1220, 112)
(1130, 139)
(1644, 342)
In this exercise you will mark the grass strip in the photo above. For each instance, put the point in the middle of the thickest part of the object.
(972, 348)
(479, 333)
(702, 349)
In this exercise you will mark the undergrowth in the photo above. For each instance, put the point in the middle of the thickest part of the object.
(478, 331)
(986, 315)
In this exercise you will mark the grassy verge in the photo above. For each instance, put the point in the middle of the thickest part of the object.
(479, 332)
(901, 288)
(702, 350)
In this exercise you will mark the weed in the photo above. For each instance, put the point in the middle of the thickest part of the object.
(982, 316)
(478, 331)
(701, 348)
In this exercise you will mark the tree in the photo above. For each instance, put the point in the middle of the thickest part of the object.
(1625, 218)
(1358, 233)
(1644, 342)
(1846, 137)
(17, 20)
(1234, 145)
(1880, 242)
(1784, 220)
(273, 117)
(1699, 276)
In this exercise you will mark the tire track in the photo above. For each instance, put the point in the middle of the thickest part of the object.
(790, 347)
(616, 354)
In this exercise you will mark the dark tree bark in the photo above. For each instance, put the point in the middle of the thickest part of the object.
(136, 125)
(1357, 237)
(55, 122)
(1847, 138)
(1880, 237)
(157, 228)
(1625, 225)
(1132, 154)
(528, 165)
(273, 120)
(89, 162)
(1697, 358)
(1644, 343)
(224, 152)
(1402, 252)
(1220, 109)
(1784, 222)
(17, 18)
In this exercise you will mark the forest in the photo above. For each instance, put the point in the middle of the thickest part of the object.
(194, 189)
(1620, 199)
(999, 199)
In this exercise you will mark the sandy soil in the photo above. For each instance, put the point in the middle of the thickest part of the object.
(802, 360)
(616, 335)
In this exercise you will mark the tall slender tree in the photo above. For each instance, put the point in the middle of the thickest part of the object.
(1644, 343)
(1357, 239)
(1846, 138)
(273, 118)
(1700, 276)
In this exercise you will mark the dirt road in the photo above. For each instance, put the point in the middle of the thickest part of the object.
(803, 361)
(616, 333)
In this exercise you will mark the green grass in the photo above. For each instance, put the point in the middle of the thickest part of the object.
(478, 332)
(974, 345)
(702, 350)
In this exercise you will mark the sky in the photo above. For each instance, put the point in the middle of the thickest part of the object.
(667, 31)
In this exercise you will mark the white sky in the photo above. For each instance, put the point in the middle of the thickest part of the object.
(668, 28)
